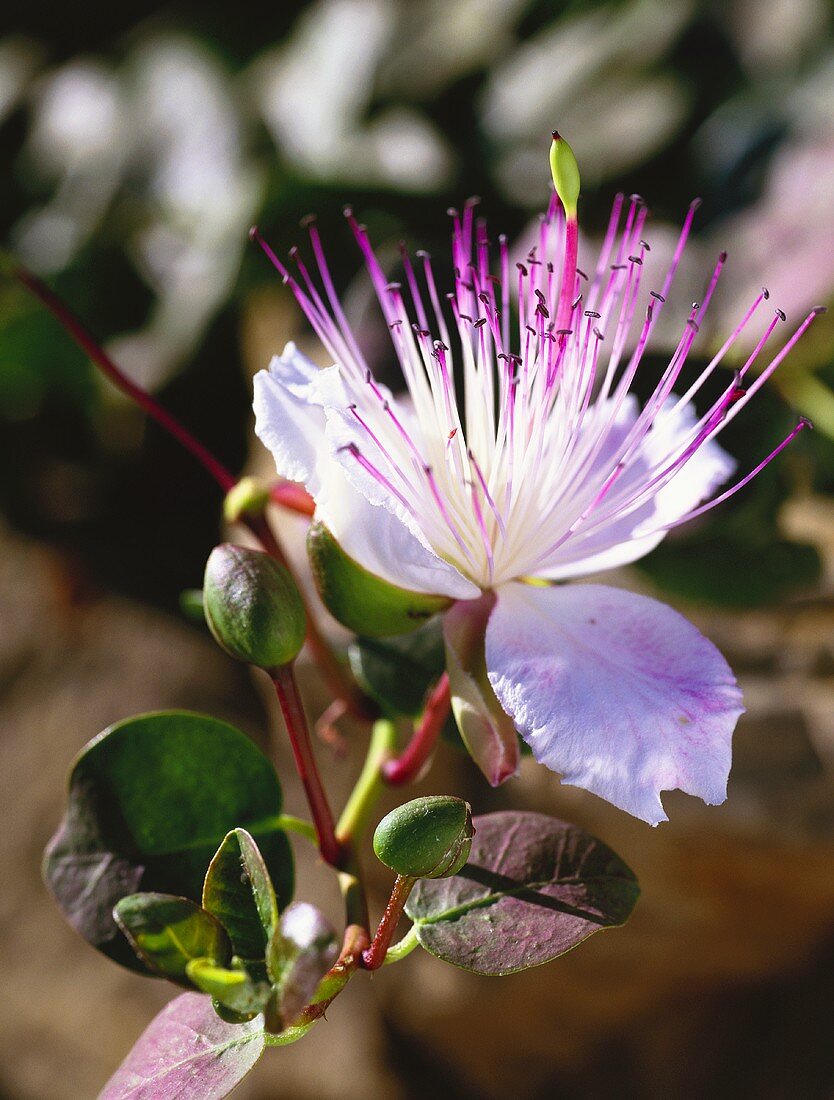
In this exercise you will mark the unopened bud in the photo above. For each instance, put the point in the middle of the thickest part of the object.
(253, 607)
(248, 498)
(426, 838)
(565, 173)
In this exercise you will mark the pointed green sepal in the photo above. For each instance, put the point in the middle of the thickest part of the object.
(360, 600)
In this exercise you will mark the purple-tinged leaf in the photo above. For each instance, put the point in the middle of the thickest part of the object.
(187, 1053)
(533, 888)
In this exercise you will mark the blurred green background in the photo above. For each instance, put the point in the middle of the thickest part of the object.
(137, 150)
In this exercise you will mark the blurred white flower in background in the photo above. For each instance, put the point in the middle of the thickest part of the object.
(315, 90)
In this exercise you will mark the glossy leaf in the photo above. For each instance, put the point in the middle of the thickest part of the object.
(303, 948)
(187, 1051)
(150, 800)
(233, 987)
(360, 600)
(167, 933)
(239, 893)
(533, 888)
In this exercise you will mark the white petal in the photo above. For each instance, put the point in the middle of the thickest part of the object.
(301, 416)
(617, 692)
(623, 541)
(289, 419)
(379, 540)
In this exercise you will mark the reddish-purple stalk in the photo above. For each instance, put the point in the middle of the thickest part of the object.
(410, 763)
(292, 708)
(85, 340)
(374, 956)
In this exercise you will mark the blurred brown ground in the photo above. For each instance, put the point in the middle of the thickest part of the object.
(720, 985)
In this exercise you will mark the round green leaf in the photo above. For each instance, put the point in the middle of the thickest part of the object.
(239, 893)
(360, 600)
(167, 933)
(150, 800)
(533, 888)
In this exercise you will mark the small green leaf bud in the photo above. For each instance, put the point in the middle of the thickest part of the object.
(426, 838)
(248, 498)
(565, 173)
(253, 607)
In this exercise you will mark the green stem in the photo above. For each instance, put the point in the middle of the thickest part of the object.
(403, 947)
(354, 819)
(369, 785)
(291, 824)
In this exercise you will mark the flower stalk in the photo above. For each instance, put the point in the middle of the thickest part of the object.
(406, 767)
(286, 688)
(374, 956)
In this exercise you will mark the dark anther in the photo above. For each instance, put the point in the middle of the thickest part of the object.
(765, 293)
(619, 267)
(564, 331)
(817, 310)
(598, 334)
(655, 294)
(805, 422)
(646, 245)
(577, 300)
(395, 324)
(480, 322)
(592, 313)
(521, 268)
(551, 269)
(635, 259)
(722, 258)
(580, 273)
(693, 325)
(780, 313)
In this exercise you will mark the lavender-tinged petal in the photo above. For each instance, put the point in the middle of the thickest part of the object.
(617, 692)
(624, 538)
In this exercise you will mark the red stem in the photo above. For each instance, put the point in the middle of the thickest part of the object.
(292, 708)
(409, 764)
(87, 342)
(374, 956)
